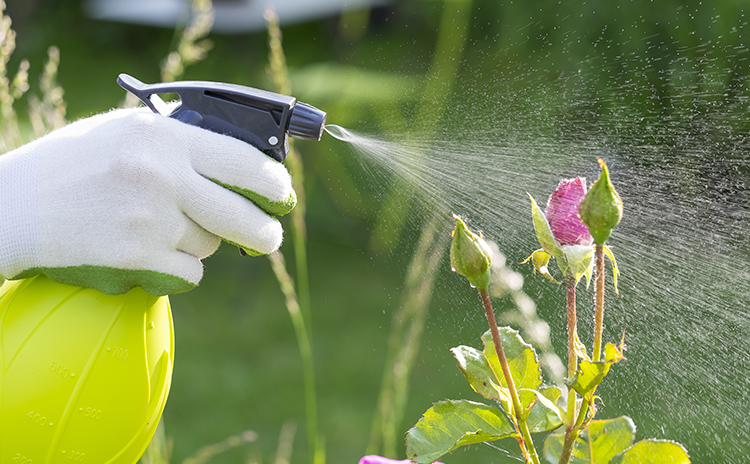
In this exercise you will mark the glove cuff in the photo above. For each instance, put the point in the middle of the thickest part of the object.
(19, 233)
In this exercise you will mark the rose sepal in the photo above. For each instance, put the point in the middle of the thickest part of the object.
(577, 261)
(540, 260)
(543, 230)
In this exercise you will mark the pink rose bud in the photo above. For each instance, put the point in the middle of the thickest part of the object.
(381, 460)
(562, 213)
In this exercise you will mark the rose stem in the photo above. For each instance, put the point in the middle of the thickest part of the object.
(570, 432)
(570, 294)
(599, 299)
(598, 329)
(489, 311)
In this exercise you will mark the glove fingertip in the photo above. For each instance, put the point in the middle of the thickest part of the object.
(265, 241)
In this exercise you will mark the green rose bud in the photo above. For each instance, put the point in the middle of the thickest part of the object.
(601, 208)
(470, 255)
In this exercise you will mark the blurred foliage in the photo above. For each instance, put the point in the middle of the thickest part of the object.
(581, 67)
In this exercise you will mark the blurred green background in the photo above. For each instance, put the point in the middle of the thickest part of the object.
(237, 364)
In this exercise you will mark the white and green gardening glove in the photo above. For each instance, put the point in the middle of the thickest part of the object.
(131, 198)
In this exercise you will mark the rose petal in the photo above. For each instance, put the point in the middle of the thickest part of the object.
(562, 213)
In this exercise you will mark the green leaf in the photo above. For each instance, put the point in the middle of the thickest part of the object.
(545, 415)
(591, 373)
(597, 445)
(522, 360)
(540, 260)
(505, 400)
(613, 353)
(543, 231)
(615, 269)
(652, 451)
(476, 369)
(449, 424)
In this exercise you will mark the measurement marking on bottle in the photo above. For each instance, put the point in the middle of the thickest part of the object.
(91, 413)
(20, 459)
(119, 353)
(37, 418)
(60, 370)
(74, 455)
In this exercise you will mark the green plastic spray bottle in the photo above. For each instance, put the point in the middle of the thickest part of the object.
(85, 376)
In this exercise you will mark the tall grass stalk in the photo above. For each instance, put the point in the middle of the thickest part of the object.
(10, 89)
(207, 452)
(405, 338)
(409, 320)
(159, 451)
(305, 349)
(45, 114)
(286, 443)
(279, 74)
(192, 45)
(48, 113)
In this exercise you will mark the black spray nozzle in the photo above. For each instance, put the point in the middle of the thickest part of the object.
(260, 118)
(307, 122)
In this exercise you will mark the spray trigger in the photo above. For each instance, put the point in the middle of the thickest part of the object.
(260, 118)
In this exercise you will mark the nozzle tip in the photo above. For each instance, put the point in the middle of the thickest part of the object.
(307, 122)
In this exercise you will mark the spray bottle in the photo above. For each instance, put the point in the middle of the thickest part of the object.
(84, 376)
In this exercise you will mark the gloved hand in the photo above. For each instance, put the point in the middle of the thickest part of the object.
(131, 198)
